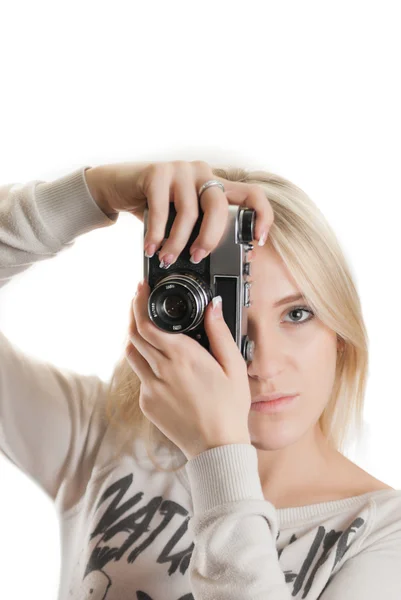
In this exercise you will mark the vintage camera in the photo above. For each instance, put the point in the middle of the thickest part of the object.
(179, 296)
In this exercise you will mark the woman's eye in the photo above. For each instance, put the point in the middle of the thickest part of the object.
(297, 310)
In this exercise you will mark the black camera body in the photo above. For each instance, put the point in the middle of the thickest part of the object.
(179, 296)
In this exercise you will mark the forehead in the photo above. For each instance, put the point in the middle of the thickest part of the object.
(268, 271)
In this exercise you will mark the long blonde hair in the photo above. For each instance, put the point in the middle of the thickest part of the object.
(309, 248)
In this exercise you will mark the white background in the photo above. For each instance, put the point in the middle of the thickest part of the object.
(309, 90)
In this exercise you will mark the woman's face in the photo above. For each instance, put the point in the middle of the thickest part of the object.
(287, 357)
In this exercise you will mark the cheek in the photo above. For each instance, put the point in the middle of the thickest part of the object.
(319, 364)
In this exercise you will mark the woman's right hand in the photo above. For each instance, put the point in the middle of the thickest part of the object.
(132, 187)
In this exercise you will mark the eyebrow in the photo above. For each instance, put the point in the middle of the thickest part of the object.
(288, 299)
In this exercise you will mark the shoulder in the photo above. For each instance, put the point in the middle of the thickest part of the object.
(360, 481)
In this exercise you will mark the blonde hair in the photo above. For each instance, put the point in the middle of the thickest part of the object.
(309, 248)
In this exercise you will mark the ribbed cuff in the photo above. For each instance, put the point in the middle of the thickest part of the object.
(224, 474)
(67, 207)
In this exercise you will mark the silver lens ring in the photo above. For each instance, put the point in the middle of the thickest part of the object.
(196, 290)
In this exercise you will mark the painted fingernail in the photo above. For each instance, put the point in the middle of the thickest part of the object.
(150, 250)
(166, 261)
(217, 306)
(197, 256)
(262, 239)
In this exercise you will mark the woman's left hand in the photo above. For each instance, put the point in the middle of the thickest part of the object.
(198, 400)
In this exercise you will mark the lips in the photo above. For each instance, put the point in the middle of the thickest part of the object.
(275, 396)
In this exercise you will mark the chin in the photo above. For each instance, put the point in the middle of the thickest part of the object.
(270, 444)
(274, 437)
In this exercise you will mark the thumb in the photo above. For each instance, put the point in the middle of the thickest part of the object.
(222, 343)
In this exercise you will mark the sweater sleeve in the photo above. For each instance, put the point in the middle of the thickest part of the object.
(49, 425)
(233, 527)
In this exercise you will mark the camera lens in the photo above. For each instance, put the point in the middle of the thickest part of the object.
(178, 302)
(175, 307)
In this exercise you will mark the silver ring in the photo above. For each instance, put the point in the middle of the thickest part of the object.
(208, 184)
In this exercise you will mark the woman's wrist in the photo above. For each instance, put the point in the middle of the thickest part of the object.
(95, 180)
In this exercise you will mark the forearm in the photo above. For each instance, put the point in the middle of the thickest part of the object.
(33, 223)
(96, 181)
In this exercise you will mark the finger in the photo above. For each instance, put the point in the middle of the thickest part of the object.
(186, 204)
(142, 352)
(249, 195)
(139, 365)
(154, 343)
(214, 206)
(222, 344)
(252, 196)
(156, 187)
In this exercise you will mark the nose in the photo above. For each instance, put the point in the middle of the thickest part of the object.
(268, 361)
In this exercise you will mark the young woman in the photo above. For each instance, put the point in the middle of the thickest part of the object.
(264, 503)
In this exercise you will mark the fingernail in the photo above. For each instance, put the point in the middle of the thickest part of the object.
(150, 250)
(197, 256)
(166, 261)
(262, 239)
(217, 306)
